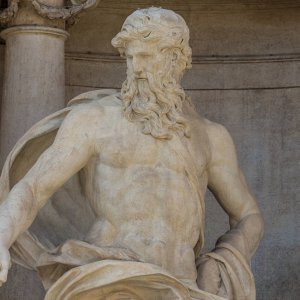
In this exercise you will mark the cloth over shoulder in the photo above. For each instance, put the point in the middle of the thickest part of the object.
(52, 225)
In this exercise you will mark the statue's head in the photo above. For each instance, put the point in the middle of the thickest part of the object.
(155, 32)
(155, 43)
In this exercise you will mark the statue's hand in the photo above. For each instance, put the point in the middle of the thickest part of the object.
(209, 278)
(5, 264)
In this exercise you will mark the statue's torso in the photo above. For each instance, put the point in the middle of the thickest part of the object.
(141, 191)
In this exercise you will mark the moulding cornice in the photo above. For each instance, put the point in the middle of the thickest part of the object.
(33, 29)
(228, 59)
(196, 6)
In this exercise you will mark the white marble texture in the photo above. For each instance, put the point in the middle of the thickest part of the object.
(146, 159)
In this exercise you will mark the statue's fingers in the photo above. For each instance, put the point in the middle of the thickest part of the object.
(3, 276)
(209, 278)
(3, 273)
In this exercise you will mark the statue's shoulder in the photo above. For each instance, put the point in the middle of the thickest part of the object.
(220, 140)
(215, 130)
(98, 104)
(89, 110)
(103, 97)
(212, 130)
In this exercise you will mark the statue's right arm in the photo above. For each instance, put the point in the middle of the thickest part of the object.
(71, 150)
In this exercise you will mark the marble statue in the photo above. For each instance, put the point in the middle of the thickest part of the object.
(144, 159)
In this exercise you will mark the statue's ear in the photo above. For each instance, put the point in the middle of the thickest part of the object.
(178, 64)
(176, 52)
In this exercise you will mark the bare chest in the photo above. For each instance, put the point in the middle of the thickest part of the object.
(134, 149)
(149, 179)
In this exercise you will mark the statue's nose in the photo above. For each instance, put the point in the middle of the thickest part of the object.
(139, 72)
(137, 65)
(137, 68)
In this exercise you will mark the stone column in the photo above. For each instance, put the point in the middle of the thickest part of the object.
(34, 79)
(34, 87)
(34, 72)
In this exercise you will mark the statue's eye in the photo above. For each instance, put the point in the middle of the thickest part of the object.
(146, 55)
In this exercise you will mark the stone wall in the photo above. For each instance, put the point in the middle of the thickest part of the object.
(1, 70)
(246, 75)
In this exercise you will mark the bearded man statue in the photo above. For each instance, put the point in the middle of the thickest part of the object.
(143, 159)
(152, 94)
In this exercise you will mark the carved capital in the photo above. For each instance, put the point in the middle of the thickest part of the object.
(63, 13)
(10, 12)
(51, 12)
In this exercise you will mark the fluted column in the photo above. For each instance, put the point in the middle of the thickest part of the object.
(33, 80)
(34, 74)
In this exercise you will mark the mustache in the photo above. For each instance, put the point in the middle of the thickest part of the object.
(157, 89)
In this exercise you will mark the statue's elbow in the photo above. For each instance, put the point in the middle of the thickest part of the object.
(257, 222)
(254, 225)
(261, 225)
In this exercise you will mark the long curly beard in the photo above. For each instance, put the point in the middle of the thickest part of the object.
(156, 104)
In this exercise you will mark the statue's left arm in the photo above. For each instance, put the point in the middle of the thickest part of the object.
(228, 184)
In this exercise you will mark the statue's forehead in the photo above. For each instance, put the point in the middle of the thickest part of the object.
(140, 46)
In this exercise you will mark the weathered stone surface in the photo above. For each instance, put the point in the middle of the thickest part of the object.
(241, 34)
(146, 237)
(224, 28)
(2, 49)
(267, 122)
(214, 74)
